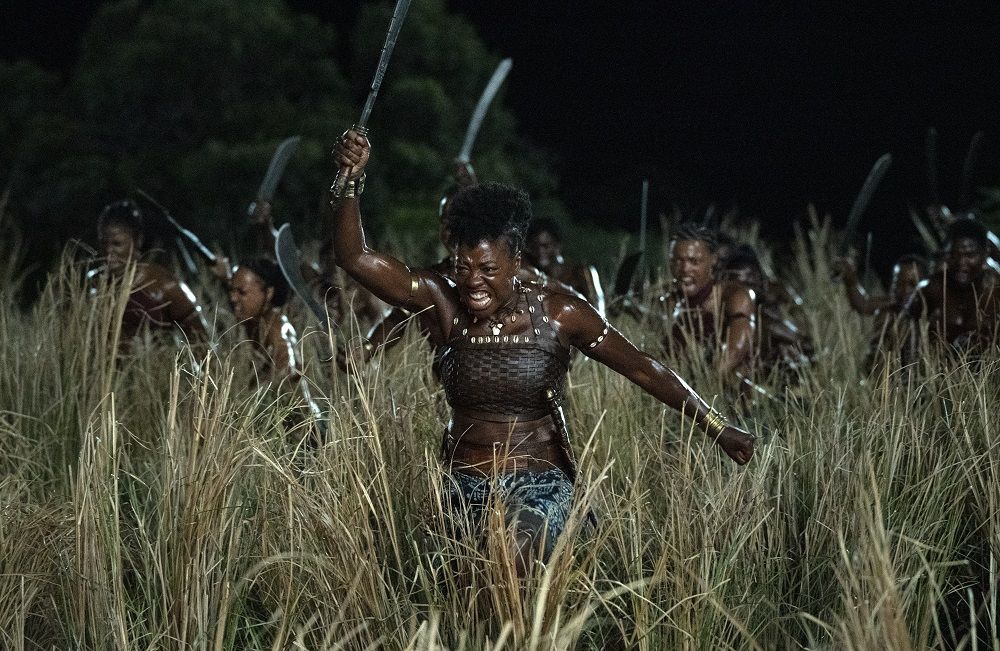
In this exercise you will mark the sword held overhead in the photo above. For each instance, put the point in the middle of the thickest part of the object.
(864, 197)
(279, 160)
(183, 232)
(490, 92)
(361, 126)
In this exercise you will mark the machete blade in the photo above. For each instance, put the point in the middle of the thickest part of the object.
(185, 233)
(864, 197)
(930, 241)
(491, 90)
(275, 169)
(626, 274)
(287, 255)
(361, 126)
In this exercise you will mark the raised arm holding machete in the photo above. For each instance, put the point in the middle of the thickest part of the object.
(275, 169)
(361, 126)
(189, 236)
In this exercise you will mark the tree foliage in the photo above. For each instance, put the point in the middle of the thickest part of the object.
(187, 99)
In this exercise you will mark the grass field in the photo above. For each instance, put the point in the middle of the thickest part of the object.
(159, 503)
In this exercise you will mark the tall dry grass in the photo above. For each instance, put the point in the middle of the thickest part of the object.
(160, 502)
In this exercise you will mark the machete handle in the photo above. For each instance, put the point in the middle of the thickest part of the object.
(340, 181)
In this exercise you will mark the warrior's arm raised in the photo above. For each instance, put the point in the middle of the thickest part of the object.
(383, 275)
(859, 299)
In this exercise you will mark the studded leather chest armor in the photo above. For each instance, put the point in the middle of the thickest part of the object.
(505, 375)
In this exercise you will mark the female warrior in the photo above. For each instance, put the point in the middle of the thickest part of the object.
(257, 292)
(889, 334)
(158, 301)
(388, 332)
(718, 317)
(503, 349)
(544, 251)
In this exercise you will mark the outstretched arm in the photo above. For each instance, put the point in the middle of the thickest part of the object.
(859, 299)
(580, 325)
(383, 275)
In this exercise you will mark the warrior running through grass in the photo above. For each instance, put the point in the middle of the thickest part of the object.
(504, 350)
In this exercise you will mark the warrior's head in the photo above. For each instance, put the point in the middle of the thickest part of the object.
(544, 244)
(119, 231)
(693, 256)
(743, 266)
(488, 223)
(256, 287)
(966, 251)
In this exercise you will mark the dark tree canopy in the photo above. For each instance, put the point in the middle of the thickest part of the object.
(187, 99)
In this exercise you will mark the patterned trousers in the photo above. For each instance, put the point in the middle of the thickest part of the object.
(534, 503)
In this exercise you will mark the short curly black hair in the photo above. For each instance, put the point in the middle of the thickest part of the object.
(489, 212)
(271, 277)
(125, 214)
(698, 233)
(968, 229)
(743, 256)
(545, 225)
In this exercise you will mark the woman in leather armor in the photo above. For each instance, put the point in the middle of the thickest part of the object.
(257, 294)
(503, 348)
(158, 301)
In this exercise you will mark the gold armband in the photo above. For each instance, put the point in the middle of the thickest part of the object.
(414, 286)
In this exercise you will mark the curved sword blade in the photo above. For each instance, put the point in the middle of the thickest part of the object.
(864, 197)
(185, 233)
(491, 90)
(969, 171)
(276, 168)
(625, 275)
(287, 255)
(931, 243)
(361, 126)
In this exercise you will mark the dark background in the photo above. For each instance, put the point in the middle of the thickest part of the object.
(767, 105)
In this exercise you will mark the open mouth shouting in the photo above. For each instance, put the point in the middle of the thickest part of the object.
(478, 300)
(687, 285)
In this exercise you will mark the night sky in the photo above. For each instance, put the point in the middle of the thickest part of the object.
(771, 105)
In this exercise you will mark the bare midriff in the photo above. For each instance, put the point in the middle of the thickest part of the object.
(486, 444)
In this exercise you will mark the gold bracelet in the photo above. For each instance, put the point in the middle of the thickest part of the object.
(354, 188)
(714, 422)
